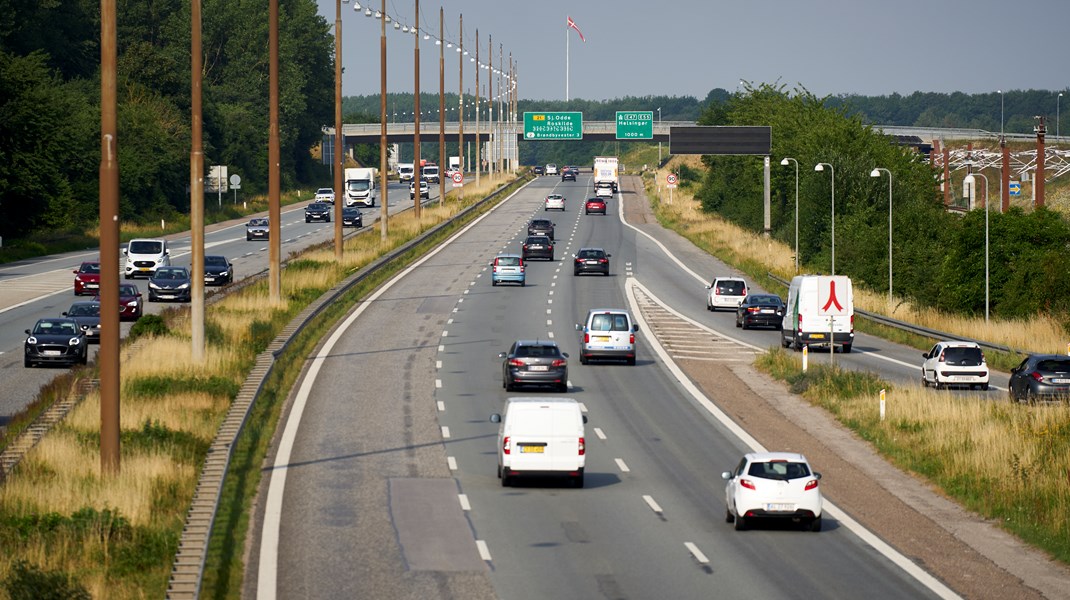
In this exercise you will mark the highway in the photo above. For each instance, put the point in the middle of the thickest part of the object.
(384, 481)
(32, 289)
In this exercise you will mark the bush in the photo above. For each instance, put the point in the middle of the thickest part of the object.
(153, 325)
(29, 582)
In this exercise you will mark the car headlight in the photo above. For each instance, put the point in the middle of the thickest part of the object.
(183, 286)
(74, 342)
(224, 274)
(31, 340)
(153, 286)
(132, 303)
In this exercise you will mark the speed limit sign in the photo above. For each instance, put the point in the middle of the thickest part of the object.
(671, 179)
(458, 179)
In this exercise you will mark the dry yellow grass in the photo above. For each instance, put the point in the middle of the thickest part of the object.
(171, 357)
(1038, 334)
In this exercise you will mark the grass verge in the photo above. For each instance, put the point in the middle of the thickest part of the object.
(62, 523)
(1005, 461)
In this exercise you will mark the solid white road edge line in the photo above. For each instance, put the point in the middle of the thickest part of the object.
(267, 570)
(864, 534)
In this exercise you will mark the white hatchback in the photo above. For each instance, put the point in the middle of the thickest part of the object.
(551, 169)
(773, 485)
(555, 202)
(955, 363)
(725, 292)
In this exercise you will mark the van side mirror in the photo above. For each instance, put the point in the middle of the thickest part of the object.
(584, 419)
(579, 327)
(635, 327)
(495, 418)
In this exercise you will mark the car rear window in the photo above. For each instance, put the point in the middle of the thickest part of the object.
(616, 322)
(963, 356)
(782, 470)
(1054, 365)
(508, 261)
(590, 254)
(547, 351)
(735, 288)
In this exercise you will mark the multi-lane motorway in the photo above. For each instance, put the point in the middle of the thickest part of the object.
(384, 480)
(30, 290)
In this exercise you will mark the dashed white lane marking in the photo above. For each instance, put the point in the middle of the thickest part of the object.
(623, 467)
(438, 384)
(445, 333)
(547, 311)
(550, 293)
(451, 462)
(459, 300)
(441, 406)
(549, 322)
(463, 498)
(583, 407)
(699, 556)
(438, 364)
(449, 321)
(653, 505)
(466, 291)
(550, 301)
(598, 432)
(441, 348)
(484, 552)
(445, 432)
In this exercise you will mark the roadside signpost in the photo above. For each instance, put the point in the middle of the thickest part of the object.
(458, 179)
(553, 125)
(1015, 188)
(635, 125)
(670, 182)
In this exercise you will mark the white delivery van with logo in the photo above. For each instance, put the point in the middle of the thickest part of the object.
(820, 313)
(541, 437)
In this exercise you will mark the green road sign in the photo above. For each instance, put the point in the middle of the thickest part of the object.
(635, 125)
(553, 126)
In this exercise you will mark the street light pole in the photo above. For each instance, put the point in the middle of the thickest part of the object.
(785, 163)
(384, 210)
(1057, 98)
(821, 167)
(338, 162)
(876, 172)
(970, 180)
(416, 124)
(1000, 113)
(659, 140)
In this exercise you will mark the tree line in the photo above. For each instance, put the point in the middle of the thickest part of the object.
(938, 257)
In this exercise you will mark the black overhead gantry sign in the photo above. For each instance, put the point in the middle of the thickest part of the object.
(727, 140)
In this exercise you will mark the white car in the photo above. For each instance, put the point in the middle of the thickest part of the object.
(324, 195)
(551, 169)
(603, 190)
(725, 292)
(555, 202)
(955, 363)
(773, 485)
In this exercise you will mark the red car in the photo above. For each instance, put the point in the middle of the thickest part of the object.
(131, 306)
(596, 205)
(87, 279)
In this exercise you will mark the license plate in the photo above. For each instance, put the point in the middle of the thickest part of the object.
(592, 262)
(532, 449)
(599, 338)
(817, 336)
(958, 378)
(767, 311)
(51, 352)
(90, 285)
(167, 296)
(538, 368)
(780, 507)
(145, 269)
(1060, 380)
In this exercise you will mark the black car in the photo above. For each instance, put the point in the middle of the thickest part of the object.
(218, 270)
(55, 341)
(538, 246)
(1040, 377)
(541, 227)
(352, 217)
(256, 229)
(87, 314)
(568, 175)
(530, 362)
(318, 211)
(765, 310)
(591, 260)
(170, 283)
(538, 170)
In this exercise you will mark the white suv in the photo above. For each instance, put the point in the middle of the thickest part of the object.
(955, 363)
(725, 292)
(144, 256)
(608, 333)
(551, 169)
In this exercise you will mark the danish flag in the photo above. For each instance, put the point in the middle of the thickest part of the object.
(572, 24)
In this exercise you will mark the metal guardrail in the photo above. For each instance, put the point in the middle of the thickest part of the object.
(187, 570)
(918, 329)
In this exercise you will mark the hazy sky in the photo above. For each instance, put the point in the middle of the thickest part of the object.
(688, 47)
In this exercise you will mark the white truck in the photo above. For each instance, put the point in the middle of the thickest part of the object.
(360, 186)
(820, 313)
(406, 171)
(605, 170)
(455, 163)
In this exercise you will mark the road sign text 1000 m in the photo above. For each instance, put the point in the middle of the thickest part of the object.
(553, 125)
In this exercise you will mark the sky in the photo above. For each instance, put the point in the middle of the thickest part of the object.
(689, 47)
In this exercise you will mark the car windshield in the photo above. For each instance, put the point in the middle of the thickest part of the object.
(359, 185)
(780, 469)
(609, 323)
(258, 223)
(55, 328)
(730, 287)
(1054, 365)
(170, 274)
(145, 247)
(350, 211)
(317, 206)
(93, 268)
(215, 261)
(963, 356)
(84, 310)
(325, 191)
(128, 290)
(547, 351)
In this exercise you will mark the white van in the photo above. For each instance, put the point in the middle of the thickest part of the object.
(820, 313)
(144, 256)
(608, 333)
(540, 437)
(406, 171)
